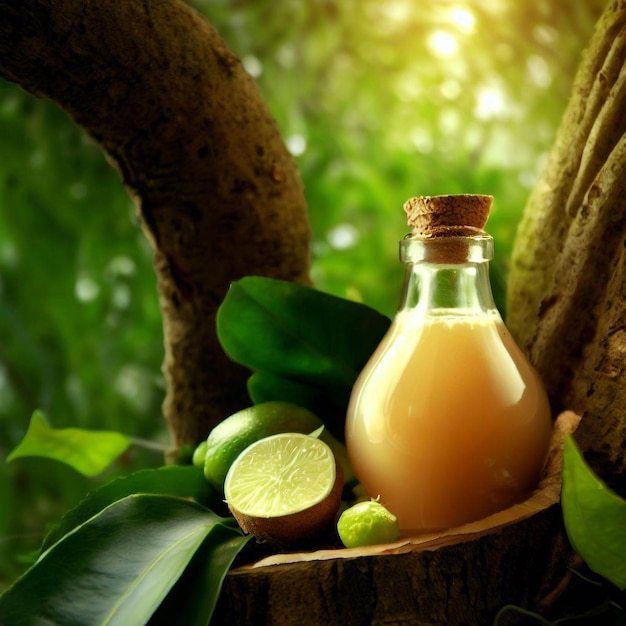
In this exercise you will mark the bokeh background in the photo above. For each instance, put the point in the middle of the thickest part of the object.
(378, 101)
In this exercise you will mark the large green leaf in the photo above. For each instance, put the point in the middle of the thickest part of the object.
(115, 569)
(174, 480)
(192, 600)
(87, 451)
(298, 332)
(595, 517)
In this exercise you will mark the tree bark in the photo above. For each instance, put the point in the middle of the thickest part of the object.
(567, 287)
(217, 193)
(459, 585)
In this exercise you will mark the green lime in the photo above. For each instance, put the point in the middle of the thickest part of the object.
(284, 488)
(366, 524)
(233, 435)
(199, 454)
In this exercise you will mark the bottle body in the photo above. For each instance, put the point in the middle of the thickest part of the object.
(448, 422)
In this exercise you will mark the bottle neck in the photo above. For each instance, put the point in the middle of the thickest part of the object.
(448, 276)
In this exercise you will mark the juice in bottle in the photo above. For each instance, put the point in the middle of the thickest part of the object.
(448, 422)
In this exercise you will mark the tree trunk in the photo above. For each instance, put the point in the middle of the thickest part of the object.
(567, 288)
(217, 193)
(459, 585)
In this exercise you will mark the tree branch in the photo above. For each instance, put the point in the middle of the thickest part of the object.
(216, 191)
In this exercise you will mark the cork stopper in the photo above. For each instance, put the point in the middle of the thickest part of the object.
(448, 216)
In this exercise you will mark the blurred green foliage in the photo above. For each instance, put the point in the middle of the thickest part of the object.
(378, 100)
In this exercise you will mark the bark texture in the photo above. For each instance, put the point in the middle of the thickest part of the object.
(217, 193)
(567, 290)
(460, 585)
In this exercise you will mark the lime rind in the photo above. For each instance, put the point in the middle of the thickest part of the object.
(234, 434)
(199, 454)
(280, 475)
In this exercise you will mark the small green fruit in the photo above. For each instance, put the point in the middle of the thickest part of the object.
(366, 524)
(199, 454)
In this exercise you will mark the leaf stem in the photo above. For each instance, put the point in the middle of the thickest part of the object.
(147, 444)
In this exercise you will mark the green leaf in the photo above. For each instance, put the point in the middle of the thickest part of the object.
(595, 517)
(115, 569)
(193, 598)
(173, 480)
(328, 404)
(298, 332)
(268, 387)
(88, 452)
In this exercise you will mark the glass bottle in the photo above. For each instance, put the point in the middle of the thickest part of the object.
(448, 422)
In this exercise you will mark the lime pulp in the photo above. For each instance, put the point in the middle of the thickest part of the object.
(280, 475)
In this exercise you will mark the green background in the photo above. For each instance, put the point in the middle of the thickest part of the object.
(378, 100)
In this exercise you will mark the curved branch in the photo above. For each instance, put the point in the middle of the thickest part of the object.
(216, 191)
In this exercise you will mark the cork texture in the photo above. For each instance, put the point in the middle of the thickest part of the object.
(448, 216)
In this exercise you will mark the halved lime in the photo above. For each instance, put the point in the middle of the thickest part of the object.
(234, 434)
(284, 488)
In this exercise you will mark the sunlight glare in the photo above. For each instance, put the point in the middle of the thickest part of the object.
(442, 44)
(539, 71)
(86, 289)
(408, 89)
(343, 236)
(296, 144)
(120, 265)
(449, 121)
(450, 89)
(121, 296)
(421, 139)
(462, 18)
(490, 103)
(286, 56)
(130, 383)
(397, 11)
(252, 65)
